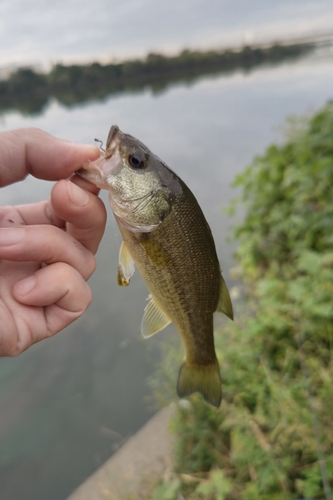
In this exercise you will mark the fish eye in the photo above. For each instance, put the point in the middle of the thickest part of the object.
(136, 161)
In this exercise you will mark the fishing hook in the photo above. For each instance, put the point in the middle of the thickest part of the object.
(101, 145)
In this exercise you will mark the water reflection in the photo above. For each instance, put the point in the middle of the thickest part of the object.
(29, 92)
(67, 402)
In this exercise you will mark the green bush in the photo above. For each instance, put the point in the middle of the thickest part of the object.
(272, 437)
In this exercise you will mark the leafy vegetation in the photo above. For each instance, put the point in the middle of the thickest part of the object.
(272, 438)
(29, 91)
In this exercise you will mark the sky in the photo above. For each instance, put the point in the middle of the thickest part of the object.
(41, 33)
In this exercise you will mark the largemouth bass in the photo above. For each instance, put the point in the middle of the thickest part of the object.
(165, 234)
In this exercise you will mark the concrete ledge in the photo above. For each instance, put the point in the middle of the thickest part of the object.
(144, 458)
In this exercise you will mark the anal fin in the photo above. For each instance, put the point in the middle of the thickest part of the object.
(153, 319)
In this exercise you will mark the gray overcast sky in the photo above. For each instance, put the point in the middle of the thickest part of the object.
(37, 31)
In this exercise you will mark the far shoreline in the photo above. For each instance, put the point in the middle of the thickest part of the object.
(29, 91)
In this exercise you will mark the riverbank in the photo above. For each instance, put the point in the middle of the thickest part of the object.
(272, 436)
(139, 464)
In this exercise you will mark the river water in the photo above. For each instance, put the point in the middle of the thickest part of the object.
(68, 402)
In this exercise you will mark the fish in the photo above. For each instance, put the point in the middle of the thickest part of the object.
(166, 237)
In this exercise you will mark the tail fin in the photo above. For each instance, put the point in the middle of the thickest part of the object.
(200, 378)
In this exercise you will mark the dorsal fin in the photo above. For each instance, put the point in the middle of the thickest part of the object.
(224, 305)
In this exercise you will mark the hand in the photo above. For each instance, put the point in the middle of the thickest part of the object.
(46, 249)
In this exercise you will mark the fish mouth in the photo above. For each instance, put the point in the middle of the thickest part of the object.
(112, 141)
(91, 170)
(86, 170)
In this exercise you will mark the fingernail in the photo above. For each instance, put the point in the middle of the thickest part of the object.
(25, 286)
(11, 236)
(77, 195)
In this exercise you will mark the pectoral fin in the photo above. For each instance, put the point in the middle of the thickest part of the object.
(153, 319)
(224, 305)
(126, 266)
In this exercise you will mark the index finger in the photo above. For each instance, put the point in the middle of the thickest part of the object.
(33, 151)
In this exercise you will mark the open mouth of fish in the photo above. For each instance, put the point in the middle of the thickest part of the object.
(97, 171)
(114, 138)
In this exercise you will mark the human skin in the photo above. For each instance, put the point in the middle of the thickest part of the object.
(46, 249)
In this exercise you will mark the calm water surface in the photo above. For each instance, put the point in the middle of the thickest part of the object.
(69, 401)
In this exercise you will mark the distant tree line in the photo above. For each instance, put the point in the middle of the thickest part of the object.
(29, 91)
